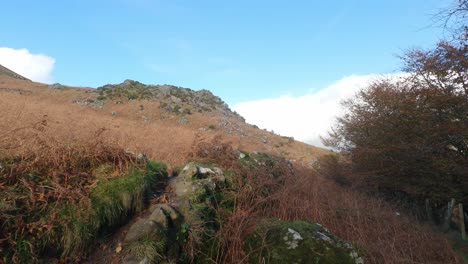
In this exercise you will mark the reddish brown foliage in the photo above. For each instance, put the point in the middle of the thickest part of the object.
(381, 234)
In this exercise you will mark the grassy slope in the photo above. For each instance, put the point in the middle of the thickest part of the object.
(129, 128)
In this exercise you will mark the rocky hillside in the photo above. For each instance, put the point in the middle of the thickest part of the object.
(135, 173)
(172, 99)
(184, 116)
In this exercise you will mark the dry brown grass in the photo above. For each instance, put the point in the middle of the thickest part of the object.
(42, 117)
(372, 225)
(379, 232)
(72, 123)
(160, 138)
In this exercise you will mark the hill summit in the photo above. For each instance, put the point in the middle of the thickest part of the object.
(173, 99)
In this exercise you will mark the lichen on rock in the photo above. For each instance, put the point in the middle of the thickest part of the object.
(276, 241)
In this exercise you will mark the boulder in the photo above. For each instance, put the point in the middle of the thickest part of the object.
(205, 171)
(159, 217)
(164, 215)
(276, 241)
(142, 228)
(193, 170)
(170, 212)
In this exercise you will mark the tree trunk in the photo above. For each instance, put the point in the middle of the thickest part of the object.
(462, 221)
(448, 216)
(429, 213)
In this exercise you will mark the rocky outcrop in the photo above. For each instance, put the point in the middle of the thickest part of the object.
(153, 239)
(89, 102)
(173, 99)
(161, 235)
(57, 86)
(231, 127)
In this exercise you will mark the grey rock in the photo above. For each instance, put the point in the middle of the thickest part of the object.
(161, 213)
(190, 170)
(141, 156)
(299, 242)
(218, 171)
(159, 217)
(205, 171)
(176, 100)
(171, 212)
(129, 82)
(134, 260)
(89, 102)
(183, 121)
(57, 86)
(140, 229)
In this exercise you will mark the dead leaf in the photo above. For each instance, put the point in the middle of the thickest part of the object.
(163, 199)
(94, 183)
(118, 248)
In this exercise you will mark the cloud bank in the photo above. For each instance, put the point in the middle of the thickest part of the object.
(306, 117)
(37, 67)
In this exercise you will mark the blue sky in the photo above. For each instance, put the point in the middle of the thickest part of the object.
(242, 50)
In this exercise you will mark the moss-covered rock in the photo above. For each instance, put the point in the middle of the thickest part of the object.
(200, 191)
(276, 241)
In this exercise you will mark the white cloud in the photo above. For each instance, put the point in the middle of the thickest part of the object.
(306, 117)
(37, 67)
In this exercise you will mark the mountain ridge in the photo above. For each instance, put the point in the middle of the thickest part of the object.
(5, 71)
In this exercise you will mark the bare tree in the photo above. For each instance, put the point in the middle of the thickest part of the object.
(455, 19)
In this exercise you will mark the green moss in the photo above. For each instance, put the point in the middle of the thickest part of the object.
(155, 170)
(113, 199)
(277, 241)
(201, 206)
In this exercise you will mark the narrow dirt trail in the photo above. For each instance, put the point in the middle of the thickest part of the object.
(109, 249)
